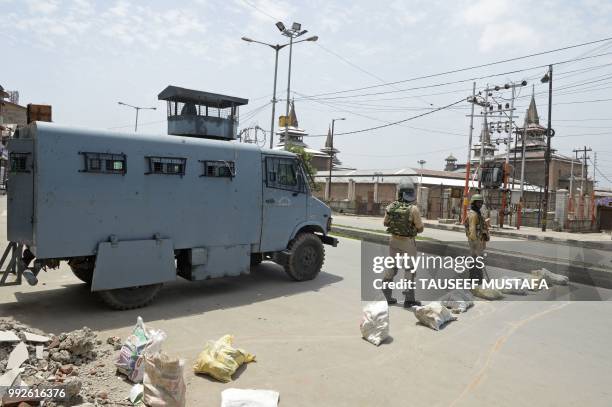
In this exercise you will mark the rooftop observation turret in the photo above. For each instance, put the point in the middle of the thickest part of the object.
(200, 114)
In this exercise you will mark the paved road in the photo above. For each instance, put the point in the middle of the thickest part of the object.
(602, 258)
(308, 346)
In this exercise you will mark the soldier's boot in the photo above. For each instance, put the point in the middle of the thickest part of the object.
(409, 300)
(476, 274)
(387, 292)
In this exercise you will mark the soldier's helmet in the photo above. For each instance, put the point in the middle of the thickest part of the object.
(406, 191)
(476, 197)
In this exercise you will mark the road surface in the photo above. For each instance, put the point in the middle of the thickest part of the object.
(308, 345)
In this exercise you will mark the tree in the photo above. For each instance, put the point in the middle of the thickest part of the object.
(306, 159)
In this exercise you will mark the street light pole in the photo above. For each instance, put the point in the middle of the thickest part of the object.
(294, 32)
(276, 48)
(547, 78)
(137, 108)
(331, 158)
(288, 93)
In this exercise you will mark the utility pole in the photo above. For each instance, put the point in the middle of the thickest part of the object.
(331, 158)
(583, 158)
(422, 163)
(549, 134)
(466, 188)
(571, 187)
(482, 136)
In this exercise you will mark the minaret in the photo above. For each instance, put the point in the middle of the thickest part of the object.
(329, 150)
(488, 148)
(294, 133)
(536, 133)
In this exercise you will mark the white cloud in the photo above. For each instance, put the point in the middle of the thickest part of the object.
(42, 6)
(486, 11)
(501, 34)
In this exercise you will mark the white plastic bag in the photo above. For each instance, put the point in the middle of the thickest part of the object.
(164, 385)
(550, 277)
(458, 301)
(375, 322)
(130, 361)
(249, 398)
(433, 315)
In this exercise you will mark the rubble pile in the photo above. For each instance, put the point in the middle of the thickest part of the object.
(76, 361)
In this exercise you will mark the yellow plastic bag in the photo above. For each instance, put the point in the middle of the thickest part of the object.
(220, 360)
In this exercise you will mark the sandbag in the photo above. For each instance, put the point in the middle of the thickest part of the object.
(249, 398)
(513, 290)
(550, 277)
(433, 315)
(220, 360)
(130, 360)
(490, 294)
(163, 381)
(458, 301)
(375, 322)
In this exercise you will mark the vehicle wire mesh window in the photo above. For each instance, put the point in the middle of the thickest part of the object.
(219, 168)
(283, 173)
(166, 165)
(19, 162)
(104, 163)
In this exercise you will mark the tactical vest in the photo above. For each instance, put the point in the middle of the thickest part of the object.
(400, 219)
(480, 226)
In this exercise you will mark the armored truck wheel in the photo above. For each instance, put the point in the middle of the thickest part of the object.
(131, 297)
(306, 257)
(83, 268)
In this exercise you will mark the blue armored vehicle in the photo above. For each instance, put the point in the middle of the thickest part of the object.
(129, 212)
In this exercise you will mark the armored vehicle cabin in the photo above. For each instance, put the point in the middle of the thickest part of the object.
(129, 212)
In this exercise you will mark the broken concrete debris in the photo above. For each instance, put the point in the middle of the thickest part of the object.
(8, 336)
(76, 362)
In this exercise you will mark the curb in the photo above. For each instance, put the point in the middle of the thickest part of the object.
(579, 273)
(550, 239)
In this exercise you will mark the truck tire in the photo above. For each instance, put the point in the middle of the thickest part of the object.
(306, 257)
(83, 269)
(256, 259)
(130, 297)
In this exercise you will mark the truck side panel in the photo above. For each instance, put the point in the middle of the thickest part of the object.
(76, 210)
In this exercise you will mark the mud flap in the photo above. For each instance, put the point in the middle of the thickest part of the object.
(133, 263)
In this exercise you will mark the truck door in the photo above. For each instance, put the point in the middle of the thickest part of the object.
(285, 196)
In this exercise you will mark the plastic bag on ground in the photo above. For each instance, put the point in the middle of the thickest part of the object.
(163, 381)
(550, 277)
(434, 315)
(130, 361)
(375, 322)
(458, 301)
(490, 294)
(220, 360)
(249, 398)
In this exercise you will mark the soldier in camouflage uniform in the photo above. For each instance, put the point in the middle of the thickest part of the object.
(403, 221)
(477, 232)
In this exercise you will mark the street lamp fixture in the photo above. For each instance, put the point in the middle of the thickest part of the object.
(137, 108)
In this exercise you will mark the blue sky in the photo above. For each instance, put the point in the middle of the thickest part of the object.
(83, 56)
